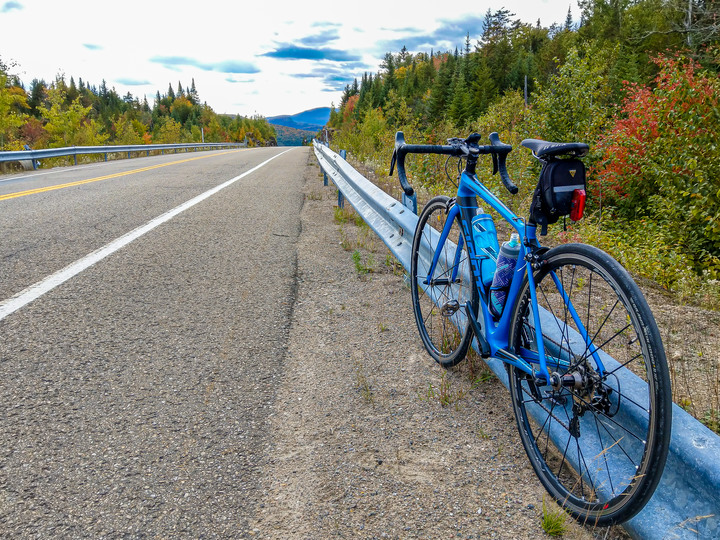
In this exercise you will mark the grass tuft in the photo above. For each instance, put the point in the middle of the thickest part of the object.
(363, 384)
(554, 522)
(361, 267)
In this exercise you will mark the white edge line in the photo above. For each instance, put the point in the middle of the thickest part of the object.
(35, 291)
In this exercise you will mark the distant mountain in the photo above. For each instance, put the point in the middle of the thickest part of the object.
(287, 136)
(312, 120)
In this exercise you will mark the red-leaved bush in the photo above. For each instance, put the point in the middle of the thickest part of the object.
(661, 159)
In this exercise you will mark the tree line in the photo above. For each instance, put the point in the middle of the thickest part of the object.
(67, 113)
(636, 79)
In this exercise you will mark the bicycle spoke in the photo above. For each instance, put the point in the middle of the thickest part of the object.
(542, 427)
(564, 457)
(639, 355)
(602, 325)
(604, 455)
(616, 442)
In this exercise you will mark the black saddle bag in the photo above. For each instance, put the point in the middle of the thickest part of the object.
(553, 195)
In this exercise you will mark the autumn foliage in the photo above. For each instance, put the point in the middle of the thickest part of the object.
(66, 114)
(661, 158)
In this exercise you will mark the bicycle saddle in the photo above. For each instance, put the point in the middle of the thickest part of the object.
(545, 149)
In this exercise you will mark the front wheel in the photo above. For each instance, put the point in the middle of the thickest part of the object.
(439, 300)
(599, 441)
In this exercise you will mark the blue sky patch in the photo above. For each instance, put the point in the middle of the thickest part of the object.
(293, 52)
(226, 66)
(7, 7)
(133, 82)
(321, 39)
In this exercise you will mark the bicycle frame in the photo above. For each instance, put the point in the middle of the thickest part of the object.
(596, 428)
(497, 332)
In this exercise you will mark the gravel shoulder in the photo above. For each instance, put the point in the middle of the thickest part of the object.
(360, 444)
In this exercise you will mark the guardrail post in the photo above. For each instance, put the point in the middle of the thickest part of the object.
(106, 156)
(34, 162)
(341, 199)
(410, 202)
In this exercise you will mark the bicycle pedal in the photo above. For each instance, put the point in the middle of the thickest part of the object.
(450, 308)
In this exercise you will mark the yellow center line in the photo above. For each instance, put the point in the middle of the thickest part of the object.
(116, 175)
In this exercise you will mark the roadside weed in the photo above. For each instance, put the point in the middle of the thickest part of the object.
(444, 393)
(554, 522)
(394, 265)
(344, 241)
(362, 383)
(342, 215)
(361, 267)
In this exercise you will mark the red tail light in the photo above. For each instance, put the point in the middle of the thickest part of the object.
(577, 209)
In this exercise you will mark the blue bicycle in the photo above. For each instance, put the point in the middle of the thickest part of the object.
(588, 376)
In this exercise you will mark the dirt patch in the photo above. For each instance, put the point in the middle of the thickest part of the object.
(362, 444)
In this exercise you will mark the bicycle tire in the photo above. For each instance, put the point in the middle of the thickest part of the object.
(610, 437)
(444, 328)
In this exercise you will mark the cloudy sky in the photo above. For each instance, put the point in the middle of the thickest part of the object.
(261, 57)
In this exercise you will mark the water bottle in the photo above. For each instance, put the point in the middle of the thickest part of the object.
(486, 245)
(503, 274)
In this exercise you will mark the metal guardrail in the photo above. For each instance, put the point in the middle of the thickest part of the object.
(35, 155)
(686, 503)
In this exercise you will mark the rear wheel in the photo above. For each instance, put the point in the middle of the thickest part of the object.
(439, 303)
(599, 441)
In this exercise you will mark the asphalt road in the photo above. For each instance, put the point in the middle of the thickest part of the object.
(135, 395)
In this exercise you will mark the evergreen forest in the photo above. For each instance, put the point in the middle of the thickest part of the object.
(635, 79)
(69, 113)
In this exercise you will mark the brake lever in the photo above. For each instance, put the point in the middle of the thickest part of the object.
(473, 138)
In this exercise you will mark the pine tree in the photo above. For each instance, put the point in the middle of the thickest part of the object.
(193, 94)
(569, 20)
(403, 57)
(459, 107)
(389, 66)
(38, 91)
(439, 94)
(72, 91)
(483, 89)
